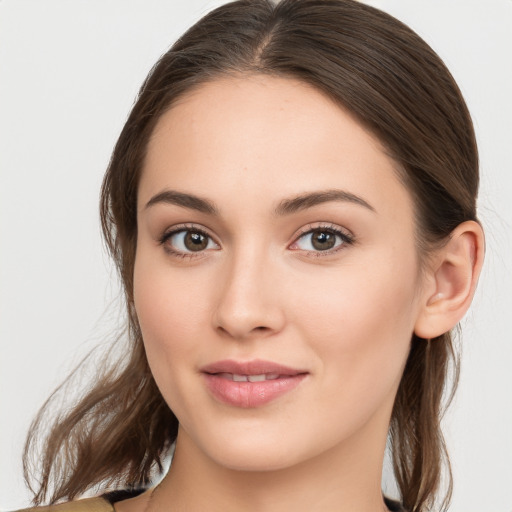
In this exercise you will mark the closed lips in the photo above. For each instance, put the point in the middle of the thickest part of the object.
(256, 369)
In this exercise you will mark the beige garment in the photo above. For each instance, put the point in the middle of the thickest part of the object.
(85, 505)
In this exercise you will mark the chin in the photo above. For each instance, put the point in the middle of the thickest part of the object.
(249, 450)
(256, 459)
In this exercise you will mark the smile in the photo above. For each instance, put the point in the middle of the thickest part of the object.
(250, 384)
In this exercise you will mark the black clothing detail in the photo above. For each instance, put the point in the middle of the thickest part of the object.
(124, 494)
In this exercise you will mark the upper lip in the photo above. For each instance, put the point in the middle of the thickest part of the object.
(254, 367)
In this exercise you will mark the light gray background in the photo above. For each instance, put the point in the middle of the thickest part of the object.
(69, 71)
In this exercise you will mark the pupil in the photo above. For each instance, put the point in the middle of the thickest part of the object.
(323, 240)
(195, 241)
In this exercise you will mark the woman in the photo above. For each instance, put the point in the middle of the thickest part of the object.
(291, 206)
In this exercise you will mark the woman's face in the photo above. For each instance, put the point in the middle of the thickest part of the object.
(277, 282)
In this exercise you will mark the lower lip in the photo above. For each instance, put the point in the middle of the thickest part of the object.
(250, 394)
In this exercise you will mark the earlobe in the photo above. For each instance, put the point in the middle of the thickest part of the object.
(454, 277)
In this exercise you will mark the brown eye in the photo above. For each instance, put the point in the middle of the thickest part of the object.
(195, 241)
(186, 241)
(323, 240)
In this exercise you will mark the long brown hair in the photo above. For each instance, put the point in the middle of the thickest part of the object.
(121, 430)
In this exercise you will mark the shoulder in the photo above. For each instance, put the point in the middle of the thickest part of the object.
(85, 505)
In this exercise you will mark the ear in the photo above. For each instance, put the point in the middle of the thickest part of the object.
(451, 281)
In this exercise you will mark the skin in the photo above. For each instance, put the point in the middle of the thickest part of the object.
(261, 290)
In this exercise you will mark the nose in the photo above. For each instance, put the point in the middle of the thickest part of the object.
(248, 303)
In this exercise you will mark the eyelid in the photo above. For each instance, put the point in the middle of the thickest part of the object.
(186, 226)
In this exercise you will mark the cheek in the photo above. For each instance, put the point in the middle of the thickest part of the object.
(172, 319)
(172, 312)
(361, 321)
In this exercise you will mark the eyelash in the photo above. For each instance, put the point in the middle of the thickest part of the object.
(346, 239)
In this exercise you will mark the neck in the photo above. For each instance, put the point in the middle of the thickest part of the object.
(343, 479)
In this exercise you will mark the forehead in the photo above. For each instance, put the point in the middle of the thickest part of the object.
(261, 138)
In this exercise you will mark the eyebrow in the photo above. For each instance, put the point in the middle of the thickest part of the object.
(285, 207)
(186, 200)
(308, 200)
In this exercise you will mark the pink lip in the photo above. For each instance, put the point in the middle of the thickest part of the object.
(250, 394)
